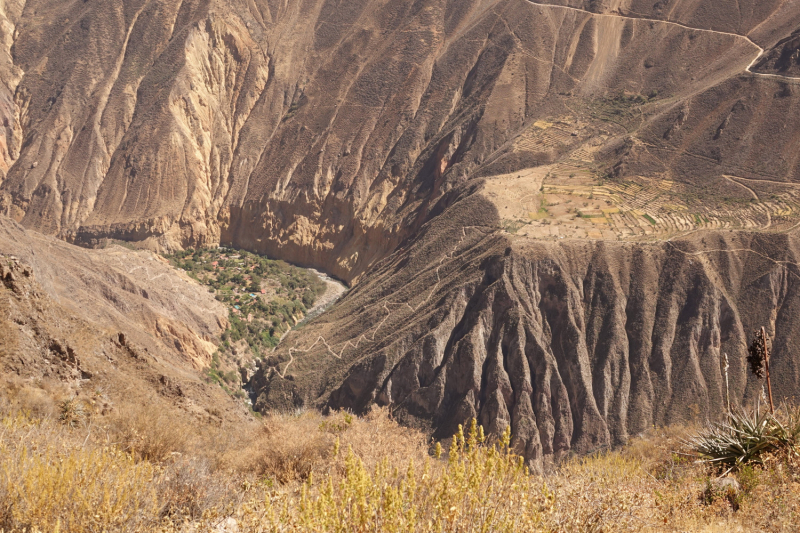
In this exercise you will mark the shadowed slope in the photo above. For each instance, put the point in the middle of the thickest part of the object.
(577, 344)
(357, 137)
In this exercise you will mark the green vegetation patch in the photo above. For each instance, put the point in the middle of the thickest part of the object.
(513, 226)
(543, 206)
(265, 298)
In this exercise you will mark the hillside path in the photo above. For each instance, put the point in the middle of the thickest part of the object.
(684, 26)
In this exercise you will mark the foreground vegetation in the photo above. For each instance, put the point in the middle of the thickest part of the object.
(70, 470)
(744, 438)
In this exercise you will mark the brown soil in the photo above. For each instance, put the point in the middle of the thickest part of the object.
(115, 328)
(283, 151)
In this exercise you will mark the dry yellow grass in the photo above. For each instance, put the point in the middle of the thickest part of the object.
(477, 488)
(49, 482)
(306, 472)
(288, 448)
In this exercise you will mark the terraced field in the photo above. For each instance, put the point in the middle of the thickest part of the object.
(571, 196)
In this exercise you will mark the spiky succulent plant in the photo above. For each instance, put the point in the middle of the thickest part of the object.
(746, 437)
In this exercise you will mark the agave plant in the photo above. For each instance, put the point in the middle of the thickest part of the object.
(72, 412)
(744, 438)
(792, 430)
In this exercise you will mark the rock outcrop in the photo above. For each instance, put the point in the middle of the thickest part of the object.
(325, 134)
(783, 58)
(115, 322)
(137, 293)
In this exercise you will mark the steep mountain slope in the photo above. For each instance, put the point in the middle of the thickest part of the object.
(113, 323)
(577, 344)
(513, 187)
(783, 58)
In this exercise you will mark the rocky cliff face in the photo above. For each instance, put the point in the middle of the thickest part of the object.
(114, 325)
(116, 292)
(325, 134)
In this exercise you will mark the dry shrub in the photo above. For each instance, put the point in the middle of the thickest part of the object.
(190, 483)
(649, 485)
(658, 445)
(376, 438)
(771, 495)
(50, 483)
(189, 487)
(285, 448)
(57, 477)
(477, 488)
(288, 448)
(149, 433)
(361, 474)
(38, 400)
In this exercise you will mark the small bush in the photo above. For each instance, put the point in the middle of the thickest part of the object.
(289, 448)
(146, 433)
(72, 412)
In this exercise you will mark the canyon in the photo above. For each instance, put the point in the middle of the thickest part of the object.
(556, 216)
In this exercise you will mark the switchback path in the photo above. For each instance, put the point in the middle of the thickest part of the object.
(680, 25)
(365, 337)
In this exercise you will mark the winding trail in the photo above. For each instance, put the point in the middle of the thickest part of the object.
(371, 338)
(760, 53)
(735, 181)
(115, 260)
(703, 253)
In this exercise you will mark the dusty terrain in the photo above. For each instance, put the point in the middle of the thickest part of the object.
(116, 327)
(578, 344)
(554, 215)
